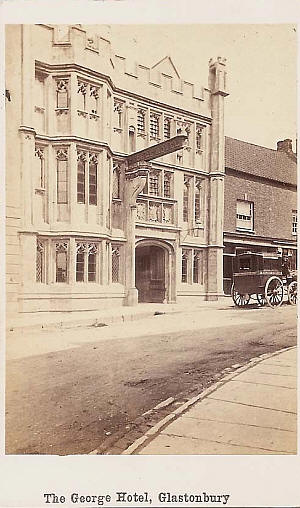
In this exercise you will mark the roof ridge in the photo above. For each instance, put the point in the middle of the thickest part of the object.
(253, 144)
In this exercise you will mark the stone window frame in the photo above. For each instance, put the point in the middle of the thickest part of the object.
(185, 265)
(199, 141)
(61, 246)
(87, 248)
(198, 213)
(91, 191)
(40, 261)
(168, 184)
(154, 125)
(167, 126)
(188, 257)
(197, 275)
(81, 176)
(116, 253)
(62, 155)
(141, 121)
(116, 182)
(193, 205)
(40, 153)
(89, 89)
(62, 93)
(161, 175)
(118, 114)
(186, 198)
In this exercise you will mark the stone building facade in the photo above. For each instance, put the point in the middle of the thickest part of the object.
(85, 229)
(260, 212)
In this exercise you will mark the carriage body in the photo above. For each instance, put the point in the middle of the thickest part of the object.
(260, 278)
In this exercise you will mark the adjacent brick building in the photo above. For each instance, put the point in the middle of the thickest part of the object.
(260, 212)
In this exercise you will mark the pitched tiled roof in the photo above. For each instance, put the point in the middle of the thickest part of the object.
(260, 161)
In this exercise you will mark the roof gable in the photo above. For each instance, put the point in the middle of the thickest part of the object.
(167, 67)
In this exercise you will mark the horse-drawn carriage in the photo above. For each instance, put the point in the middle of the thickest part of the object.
(264, 280)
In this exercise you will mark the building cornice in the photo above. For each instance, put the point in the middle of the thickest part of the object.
(47, 68)
(258, 178)
(246, 238)
(120, 156)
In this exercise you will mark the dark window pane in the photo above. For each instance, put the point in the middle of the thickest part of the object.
(92, 183)
(81, 182)
(92, 268)
(61, 267)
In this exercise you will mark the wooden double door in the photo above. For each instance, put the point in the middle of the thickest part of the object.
(150, 274)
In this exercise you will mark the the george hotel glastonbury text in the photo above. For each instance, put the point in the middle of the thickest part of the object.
(137, 498)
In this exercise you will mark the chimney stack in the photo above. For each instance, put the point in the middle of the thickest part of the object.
(286, 147)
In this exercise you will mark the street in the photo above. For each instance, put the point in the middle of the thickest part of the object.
(72, 391)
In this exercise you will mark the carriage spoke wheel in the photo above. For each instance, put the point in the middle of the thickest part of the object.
(292, 293)
(239, 299)
(274, 292)
(261, 299)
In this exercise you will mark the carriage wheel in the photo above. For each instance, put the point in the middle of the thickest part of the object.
(274, 292)
(261, 299)
(239, 299)
(292, 293)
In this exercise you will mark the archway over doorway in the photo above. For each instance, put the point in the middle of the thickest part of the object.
(155, 271)
(150, 273)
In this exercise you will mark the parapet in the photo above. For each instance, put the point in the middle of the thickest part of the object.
(161, 82)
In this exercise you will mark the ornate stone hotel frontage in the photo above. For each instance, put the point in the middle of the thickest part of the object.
(115, 175)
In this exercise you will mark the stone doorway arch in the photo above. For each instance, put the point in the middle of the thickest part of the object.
(155, 271)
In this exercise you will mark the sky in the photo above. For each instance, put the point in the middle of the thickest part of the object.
(261, 69)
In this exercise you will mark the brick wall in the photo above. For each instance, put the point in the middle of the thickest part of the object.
(273, 205)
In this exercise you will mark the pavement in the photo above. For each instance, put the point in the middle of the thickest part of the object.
(144, 319)
(249, 412)
(97, 318)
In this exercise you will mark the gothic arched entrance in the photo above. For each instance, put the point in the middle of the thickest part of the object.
(152, 272)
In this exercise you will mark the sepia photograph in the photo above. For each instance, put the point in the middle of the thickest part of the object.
(149, 254)
(151, 239)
